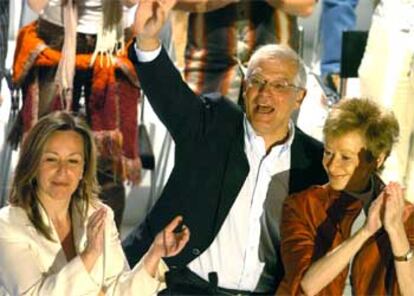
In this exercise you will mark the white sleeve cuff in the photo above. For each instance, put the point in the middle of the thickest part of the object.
(147, 56)
(145, 282)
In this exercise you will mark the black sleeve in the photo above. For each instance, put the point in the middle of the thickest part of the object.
(176, 105)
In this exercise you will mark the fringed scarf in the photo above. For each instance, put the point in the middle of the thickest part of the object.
(110, 42)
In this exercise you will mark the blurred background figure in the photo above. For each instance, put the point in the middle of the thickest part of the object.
(222, 34)
(337, 16)
(387, 77)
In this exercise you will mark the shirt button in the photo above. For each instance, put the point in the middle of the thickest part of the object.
(196, 252)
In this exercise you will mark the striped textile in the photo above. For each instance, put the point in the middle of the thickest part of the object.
(4, 29)
(217, 39)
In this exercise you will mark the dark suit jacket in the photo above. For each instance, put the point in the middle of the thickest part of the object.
(210, 163)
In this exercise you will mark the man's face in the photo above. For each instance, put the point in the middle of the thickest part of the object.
(271, 96)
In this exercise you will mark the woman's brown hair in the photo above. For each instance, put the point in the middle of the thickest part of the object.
(378, 126)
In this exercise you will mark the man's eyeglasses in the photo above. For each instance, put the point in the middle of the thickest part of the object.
(277, 86)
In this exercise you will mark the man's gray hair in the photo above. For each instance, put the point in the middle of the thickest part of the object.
(279, 51)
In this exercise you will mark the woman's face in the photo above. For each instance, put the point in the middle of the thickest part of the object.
(348, 163)
(61, 165)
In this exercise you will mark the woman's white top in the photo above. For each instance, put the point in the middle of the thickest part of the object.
(30, 264)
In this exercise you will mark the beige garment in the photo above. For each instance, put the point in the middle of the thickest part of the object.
(32, 265)
(180, 23)
(386, 76)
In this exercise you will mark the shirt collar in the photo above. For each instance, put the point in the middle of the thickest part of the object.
(256, 142)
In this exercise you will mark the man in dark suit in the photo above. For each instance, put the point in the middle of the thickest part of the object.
(233, 168)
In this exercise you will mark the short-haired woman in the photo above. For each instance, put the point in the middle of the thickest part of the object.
(56, 238)
(354, 222)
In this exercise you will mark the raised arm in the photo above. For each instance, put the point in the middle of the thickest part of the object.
(180, 110)
(301, 8)
(202, 5)
(150, 17)
(402, 243)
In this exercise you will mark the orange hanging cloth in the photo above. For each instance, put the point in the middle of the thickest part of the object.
(112, 104)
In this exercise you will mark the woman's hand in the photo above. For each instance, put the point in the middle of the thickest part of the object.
(374, 221)
(394, 207)
(95, 238)
(167, 243)
(395, 213)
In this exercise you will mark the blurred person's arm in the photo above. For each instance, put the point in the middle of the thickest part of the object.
(201, 6)
(37, 5)
(301, 8)
(129, 3)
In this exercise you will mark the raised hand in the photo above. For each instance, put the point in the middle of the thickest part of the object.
(95, 238)
(150, 18)
(374, 219)
(168, 243)
(95, 232)
(394, 207)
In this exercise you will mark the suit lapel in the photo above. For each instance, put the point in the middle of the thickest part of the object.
(298, 163)
(237, 168)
